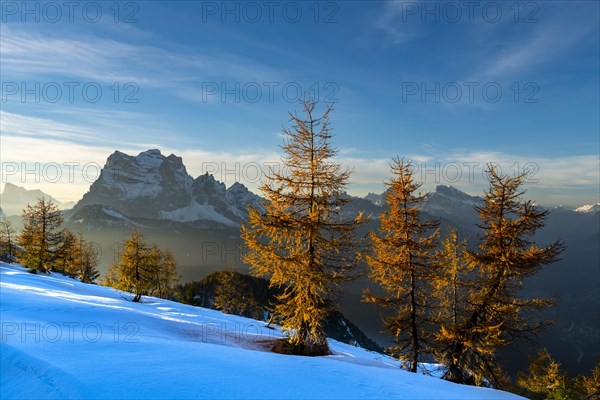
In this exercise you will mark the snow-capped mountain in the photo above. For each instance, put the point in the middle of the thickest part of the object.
(589, 208)
(445, 202)
(377, 199)
(152, 186)
(15, 198)
(449, 198)
(449, 202)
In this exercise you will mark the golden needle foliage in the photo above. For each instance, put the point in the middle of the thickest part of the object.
(402, 263)
(301, 241)
(143, 269)
(494, 315)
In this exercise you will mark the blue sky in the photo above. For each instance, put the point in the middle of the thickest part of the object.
(451, 85)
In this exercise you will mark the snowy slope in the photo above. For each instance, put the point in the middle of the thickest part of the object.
(65, 339)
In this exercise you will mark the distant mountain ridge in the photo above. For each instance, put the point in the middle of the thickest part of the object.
(447, 200)
(444, 202)
(15, 198)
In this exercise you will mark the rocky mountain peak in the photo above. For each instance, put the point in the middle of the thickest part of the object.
(451, 191)
(153, 186)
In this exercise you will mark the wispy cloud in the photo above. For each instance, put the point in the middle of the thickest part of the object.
(84, 125)
(390, 22)
(556, 33)
(30, 54)
(17, 124)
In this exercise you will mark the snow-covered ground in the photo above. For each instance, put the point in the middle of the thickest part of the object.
(65, 339)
